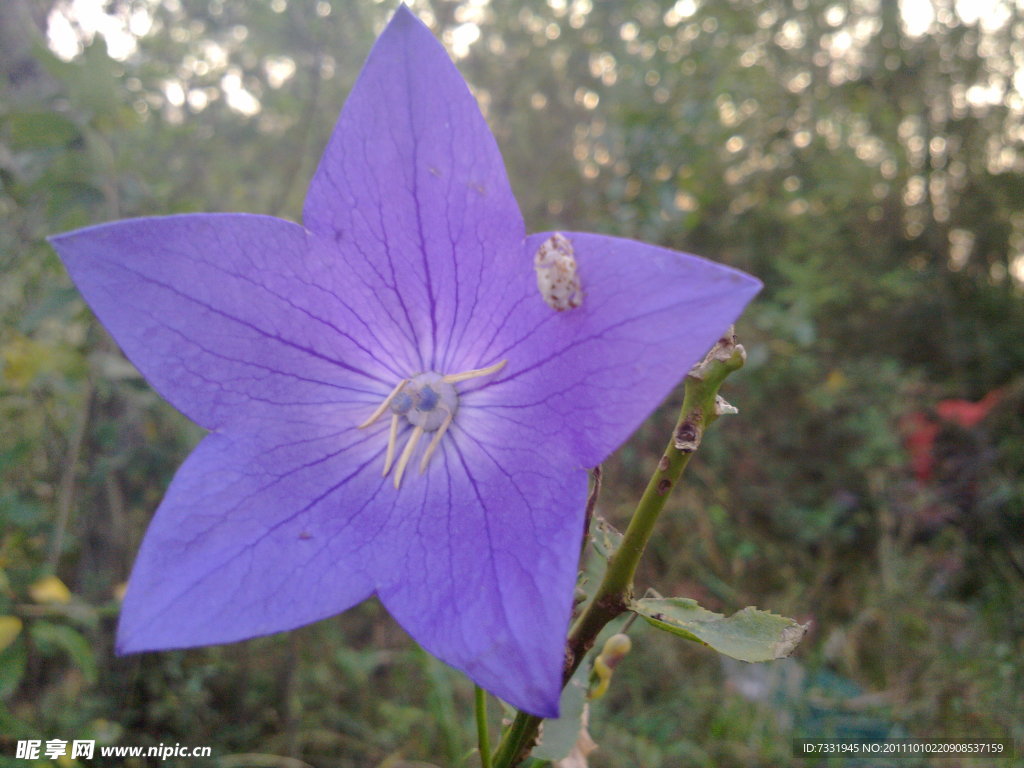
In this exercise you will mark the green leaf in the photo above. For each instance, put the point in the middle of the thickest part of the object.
(70, 198)
(747, 635)
(53, 637)
(13, 661)
(560, 734)
(91, 80)
(13, 728)
(604, 540)
(38, 130)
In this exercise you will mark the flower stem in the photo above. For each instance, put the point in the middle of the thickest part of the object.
(701, 406)
(482, 737)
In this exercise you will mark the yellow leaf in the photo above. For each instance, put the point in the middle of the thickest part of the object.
(49, 589)
(10, 628)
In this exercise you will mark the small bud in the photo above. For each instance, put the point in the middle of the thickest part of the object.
(615, 649)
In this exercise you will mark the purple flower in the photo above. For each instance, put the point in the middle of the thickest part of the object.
(402, 395)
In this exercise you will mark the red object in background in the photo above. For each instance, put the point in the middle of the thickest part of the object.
(964, 412)
(922, 428)
(921, 431)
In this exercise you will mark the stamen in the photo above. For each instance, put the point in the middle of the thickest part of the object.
(428, 399)
(457, 377)
(436, 441)
(392, 440)
(403, 460)
(428, 402)
(384, 406)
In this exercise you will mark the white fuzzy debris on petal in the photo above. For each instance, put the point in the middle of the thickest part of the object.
(557, 279)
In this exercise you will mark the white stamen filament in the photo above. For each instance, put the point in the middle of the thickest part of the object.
(457, 377)
(403, 460)
(436, 441)
(384, 406)
(392, 440)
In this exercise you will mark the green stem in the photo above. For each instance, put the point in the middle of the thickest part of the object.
(615, 592)
(482, 737)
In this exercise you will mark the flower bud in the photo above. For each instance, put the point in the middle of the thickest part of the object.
(615, 649)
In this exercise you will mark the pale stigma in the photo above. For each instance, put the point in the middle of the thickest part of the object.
(427, 402)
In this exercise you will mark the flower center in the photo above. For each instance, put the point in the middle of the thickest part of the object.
(425, 401)
(428, 402)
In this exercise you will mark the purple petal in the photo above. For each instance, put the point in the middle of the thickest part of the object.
(257, 534)
(233, 316)
(413, 189)
(480, 561)
(587, 377)
(263, 533)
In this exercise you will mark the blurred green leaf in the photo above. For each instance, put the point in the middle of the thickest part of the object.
(91, 79)
(19, 512)
(52, 638)
(65, 200)
(748, 635)
(10, 628)
(38, 130)
(60, 301)
(13, 728)
(13, 661)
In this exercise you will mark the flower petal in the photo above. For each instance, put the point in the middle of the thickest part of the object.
(263, 533)
(257, 534)
(479, 565)
(588, 376)
(413, 189)
(230, 316)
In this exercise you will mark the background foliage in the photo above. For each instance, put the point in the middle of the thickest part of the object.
(864, 158)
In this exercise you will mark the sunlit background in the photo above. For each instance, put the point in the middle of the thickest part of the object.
(829, 47)
(864, 158)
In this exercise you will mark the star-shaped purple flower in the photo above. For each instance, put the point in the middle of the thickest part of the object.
(402, 395)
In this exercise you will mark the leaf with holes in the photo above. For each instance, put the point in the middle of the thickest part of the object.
(748, 635)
